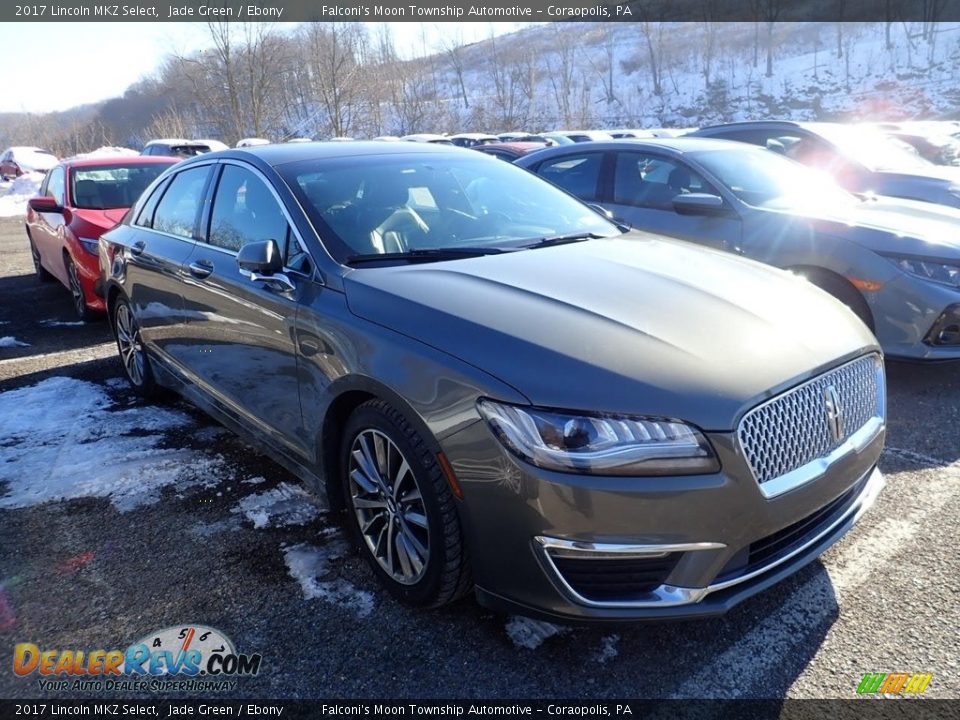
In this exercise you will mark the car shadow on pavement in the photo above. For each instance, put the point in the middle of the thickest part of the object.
(923, 411)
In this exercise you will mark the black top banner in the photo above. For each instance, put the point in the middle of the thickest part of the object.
(763, 11)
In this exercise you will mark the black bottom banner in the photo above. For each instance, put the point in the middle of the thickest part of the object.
(872, 708)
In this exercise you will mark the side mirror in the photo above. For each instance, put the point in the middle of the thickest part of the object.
(260, 258)
(44, 204)
(699, 204)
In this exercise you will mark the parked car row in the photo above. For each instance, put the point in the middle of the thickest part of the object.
(580, 385)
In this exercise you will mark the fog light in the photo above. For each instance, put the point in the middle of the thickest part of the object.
(946, 330)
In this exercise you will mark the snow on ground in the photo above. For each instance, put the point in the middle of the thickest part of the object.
(64, 438)
(281, 506)
(62, 323)
(608, 649)
(9, 341)
(530, 634)
(105, 152)
(310, 565)
(14, 202)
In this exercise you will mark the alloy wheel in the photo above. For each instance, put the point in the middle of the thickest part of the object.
(79, 303)
(389, 507)
(131, 347)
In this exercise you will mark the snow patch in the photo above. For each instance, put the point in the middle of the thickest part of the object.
(14, 203)
(106, 152)
(204, 530)
(63, 439)
(62, 323)
(531, 634)
(608, 649)
(307, 564)
(9, 341)
(283, 505)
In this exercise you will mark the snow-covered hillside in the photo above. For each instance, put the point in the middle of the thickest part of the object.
(684, 74)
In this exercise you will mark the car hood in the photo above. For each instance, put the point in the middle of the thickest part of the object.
(637, 324)
(104, 219)
(887, 225)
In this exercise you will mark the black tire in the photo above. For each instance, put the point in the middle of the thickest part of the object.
(80, 307)
(845, 293)
(41, 273)
(133, 355)
(445, 575)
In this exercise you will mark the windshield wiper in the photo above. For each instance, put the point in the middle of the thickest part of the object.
(562, 240)
(426, 254)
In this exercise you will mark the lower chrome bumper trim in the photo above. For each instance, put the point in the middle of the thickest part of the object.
(672, 596)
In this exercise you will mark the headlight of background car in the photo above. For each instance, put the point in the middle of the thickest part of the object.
(600, 444)
(945, 273)
(89, 244)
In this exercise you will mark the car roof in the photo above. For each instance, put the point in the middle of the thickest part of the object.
(519, 146)
(120, 160)
(280, 154)
(675, 145)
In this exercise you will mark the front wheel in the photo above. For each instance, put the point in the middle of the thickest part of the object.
(41, 273)
(400, 509)
(133, 355)
(76, 290)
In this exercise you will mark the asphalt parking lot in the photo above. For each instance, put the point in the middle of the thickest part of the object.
(118, 518)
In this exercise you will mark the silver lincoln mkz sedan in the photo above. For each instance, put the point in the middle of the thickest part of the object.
(502, 391)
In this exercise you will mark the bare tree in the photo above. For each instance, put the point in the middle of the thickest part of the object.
(334, 56)
(453, 49)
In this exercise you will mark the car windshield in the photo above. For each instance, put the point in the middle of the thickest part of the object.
(411, 203)
(768, 180)
(874, 150)
(104, 187)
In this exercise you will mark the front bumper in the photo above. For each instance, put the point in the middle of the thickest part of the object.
(696, 545)
(913, 318)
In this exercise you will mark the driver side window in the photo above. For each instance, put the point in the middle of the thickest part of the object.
(651, 181)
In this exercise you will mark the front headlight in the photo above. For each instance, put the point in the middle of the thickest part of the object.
(600, 444)
(945, 273)
(89, 244)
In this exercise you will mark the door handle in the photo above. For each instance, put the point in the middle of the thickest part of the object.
(138, 247)
(201, 268)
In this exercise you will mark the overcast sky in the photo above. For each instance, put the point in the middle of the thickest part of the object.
(55, 66)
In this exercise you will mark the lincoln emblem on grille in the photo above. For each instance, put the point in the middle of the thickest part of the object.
(834, 412)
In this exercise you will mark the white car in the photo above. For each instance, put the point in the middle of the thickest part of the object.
(18, 160)
(473, 139)
(175, 147)
(251, 142)
(428, 138)
(214, 145)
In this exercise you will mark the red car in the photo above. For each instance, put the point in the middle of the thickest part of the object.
(16, 161)
(77, 202)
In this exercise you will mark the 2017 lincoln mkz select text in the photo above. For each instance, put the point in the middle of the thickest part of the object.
(503, 391)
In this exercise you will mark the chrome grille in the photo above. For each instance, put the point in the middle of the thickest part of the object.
(795, 428)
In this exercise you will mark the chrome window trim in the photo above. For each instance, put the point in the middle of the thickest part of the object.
(313, 275)
(161, 178)
(673, 596)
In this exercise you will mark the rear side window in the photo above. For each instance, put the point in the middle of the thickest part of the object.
(180, 205)
(577, 174)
